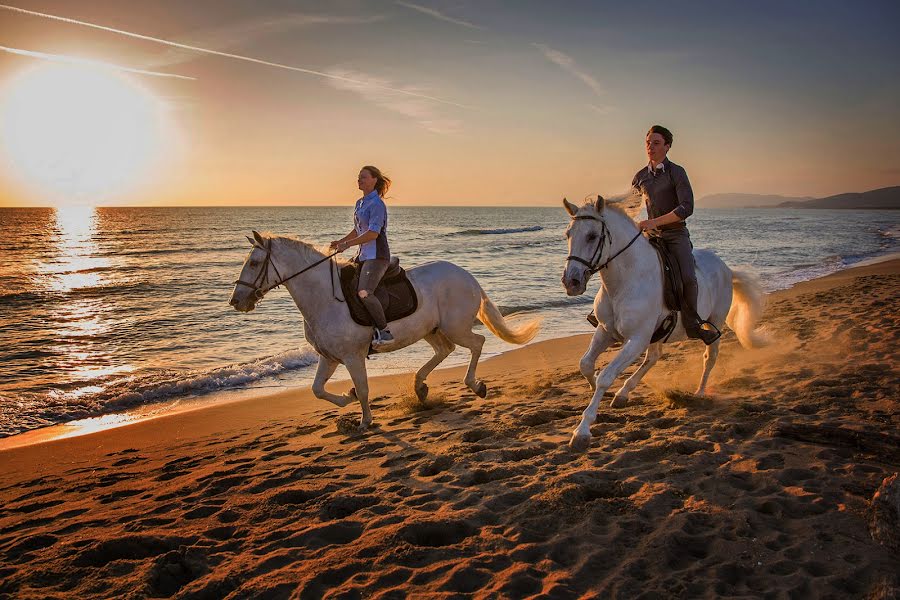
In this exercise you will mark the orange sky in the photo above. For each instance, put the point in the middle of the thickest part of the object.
(461, 103)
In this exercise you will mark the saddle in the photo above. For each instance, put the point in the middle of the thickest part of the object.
(395, 292)
(673, 288)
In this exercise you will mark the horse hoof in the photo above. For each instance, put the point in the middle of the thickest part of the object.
(618, 402)
(422, 392)
(481, 390)
(580, 443)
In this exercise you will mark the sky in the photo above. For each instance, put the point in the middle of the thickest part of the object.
(462, 102)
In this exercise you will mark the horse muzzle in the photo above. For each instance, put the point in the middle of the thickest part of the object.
(575, 283)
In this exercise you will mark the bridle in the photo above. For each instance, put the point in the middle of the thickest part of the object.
(593, 264)
(259, 286)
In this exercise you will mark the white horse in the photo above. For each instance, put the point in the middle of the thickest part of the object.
(449, 301)
(630, 306)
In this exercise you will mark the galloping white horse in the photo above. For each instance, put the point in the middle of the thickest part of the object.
(630, 306)
(449, 301)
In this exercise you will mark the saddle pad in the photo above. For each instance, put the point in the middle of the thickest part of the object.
(672, 282)
(395, 292)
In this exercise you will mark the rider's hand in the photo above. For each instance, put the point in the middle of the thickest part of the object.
(646, 225)
(336, 245)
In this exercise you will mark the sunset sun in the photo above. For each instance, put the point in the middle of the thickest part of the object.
(78, 134)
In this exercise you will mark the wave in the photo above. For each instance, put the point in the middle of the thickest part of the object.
(500, 231)
(32, 410)
(519, 308)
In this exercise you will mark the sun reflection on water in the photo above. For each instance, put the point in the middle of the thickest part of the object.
(76, 263)
(81, 323)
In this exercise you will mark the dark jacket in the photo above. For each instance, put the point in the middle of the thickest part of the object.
(665, 191)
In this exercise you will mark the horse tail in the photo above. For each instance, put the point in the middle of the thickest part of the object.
(746, 310)
(489, 314)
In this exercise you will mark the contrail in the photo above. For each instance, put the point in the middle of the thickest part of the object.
(91, 63)
(224, 54)
(439, 15)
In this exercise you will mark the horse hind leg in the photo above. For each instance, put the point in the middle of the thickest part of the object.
(442, 349)
(474, 342)
(654, 352)
(709, 361)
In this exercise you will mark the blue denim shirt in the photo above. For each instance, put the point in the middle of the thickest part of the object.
(370, 214)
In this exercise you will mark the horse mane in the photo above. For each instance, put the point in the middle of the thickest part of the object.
(613, 205)
(309, 251)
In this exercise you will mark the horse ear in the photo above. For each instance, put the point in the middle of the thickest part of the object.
(250, 239)
(570, 208)
(258, 238)
(601, 203)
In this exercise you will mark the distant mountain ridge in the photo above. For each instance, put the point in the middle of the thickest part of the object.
(882, 198)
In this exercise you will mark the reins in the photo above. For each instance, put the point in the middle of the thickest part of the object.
(604, 233)
(259, 290)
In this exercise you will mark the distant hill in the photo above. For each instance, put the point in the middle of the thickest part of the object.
(747, 200)
(883, 198)
(888, 197)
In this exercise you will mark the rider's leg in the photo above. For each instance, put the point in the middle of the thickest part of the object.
(370, 276)
(678, 242)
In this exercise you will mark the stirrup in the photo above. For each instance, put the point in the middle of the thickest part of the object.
(382, 336)
(708, 336)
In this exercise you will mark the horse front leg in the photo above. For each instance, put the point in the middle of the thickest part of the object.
(324, 371)
(588, 364)
(581, 437)
(654, 352)
(357, 370)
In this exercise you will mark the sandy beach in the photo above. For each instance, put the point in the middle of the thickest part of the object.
(762, 489)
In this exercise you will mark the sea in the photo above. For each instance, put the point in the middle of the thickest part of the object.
(109, 310)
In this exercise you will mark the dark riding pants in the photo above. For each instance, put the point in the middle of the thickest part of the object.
(678, 242)
(370, 275)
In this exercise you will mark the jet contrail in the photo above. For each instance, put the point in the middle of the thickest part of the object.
(91, 63)
(224, 54)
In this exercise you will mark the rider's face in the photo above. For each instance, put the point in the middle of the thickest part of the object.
(366, 181)
(656, 148)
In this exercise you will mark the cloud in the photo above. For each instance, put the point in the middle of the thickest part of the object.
(331, 76)
(568, 64)
(602, 109)
(439, 15)
(246, 32)
(86, 62)
(382, 93)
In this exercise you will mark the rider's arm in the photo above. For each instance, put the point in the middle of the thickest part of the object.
(666, 219)
(685, 196)
(344, 239)
(377, 216)
(362, 239)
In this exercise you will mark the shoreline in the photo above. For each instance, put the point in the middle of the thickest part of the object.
(154, 411)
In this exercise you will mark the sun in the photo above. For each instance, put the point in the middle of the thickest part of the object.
(78, 134)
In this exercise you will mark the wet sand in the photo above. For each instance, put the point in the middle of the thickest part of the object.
(761, 490)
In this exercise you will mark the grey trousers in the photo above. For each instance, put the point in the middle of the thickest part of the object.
(678, 242)
(370, 274)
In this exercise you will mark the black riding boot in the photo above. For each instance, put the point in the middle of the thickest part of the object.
(699, 330)
(694, 326)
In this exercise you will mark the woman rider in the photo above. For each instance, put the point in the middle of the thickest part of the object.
(669, 199)
(370, 234)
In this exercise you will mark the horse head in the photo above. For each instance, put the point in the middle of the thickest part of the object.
(587, 235)
(251, 285)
